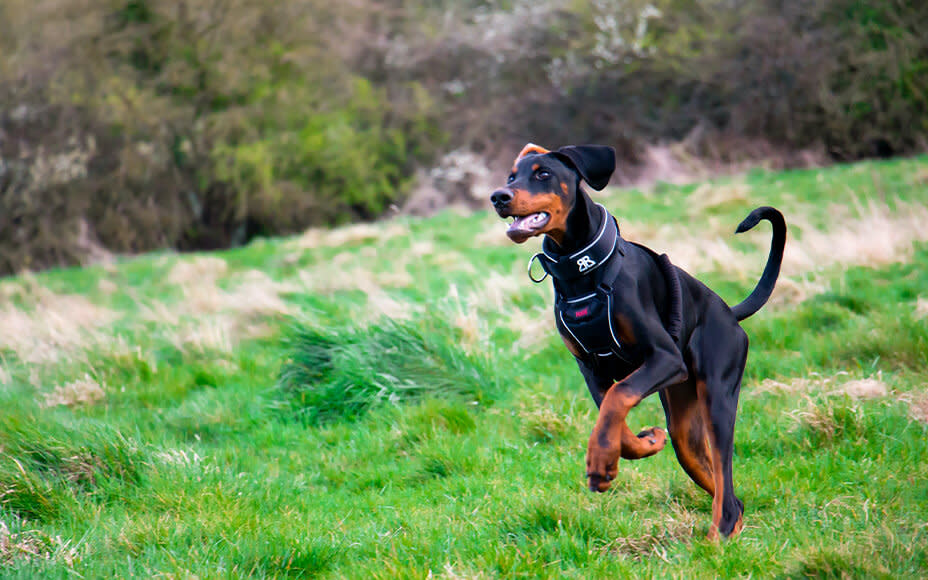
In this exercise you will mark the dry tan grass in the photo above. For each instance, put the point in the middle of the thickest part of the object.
(918, 408)
(333, 278)
(836, 385)
(921, 308)
(678, 525)
(348, 235)
(868, 234)
(826, 417)
(197, 270)
(535, 327)
(252, 291)
(493, 233)
(184, 457)
(214, 333)
(865, 235)
(710, 196)
(491, 305)
(83, 391)
(33, 545)
(210, 317)
(863, 389)
(50, 326)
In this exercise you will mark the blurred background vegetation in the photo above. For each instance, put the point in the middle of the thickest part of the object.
(132, 125)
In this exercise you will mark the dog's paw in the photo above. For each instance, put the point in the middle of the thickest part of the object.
(654, 437)
(599, 483)
(601, 468)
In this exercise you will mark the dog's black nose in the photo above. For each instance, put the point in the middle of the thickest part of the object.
(501, 198)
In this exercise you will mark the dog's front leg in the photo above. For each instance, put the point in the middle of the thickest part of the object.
(611, 438)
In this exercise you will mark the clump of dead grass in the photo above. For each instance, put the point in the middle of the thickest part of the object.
(676, 526)
(83, 391)
(918, 405)
(33, 545)
(921, 308)
(211, 317)
(252, 291)
(349, 235)
(865, 234)
(836, 385)
(197, 270)
(828, 418)
(870, 234)
(46, 326)
(712, 196)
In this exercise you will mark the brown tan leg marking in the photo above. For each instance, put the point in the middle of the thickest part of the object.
(688, 430)
(611, 438)
(718, 480)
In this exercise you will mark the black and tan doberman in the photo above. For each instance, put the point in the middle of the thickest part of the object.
(636, 324)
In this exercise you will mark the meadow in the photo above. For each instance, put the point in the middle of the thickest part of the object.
(391, 400)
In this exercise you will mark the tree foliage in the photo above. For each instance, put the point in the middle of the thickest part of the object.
(129, 125)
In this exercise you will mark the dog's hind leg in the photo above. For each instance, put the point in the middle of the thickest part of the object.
(719, 352)
(688, 434)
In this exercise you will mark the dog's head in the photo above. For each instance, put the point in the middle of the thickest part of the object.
(543, 187)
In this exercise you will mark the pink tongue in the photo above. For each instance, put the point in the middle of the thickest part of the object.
(527, 223)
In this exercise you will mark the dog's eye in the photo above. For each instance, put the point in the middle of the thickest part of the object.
(542, 175)
(512, 177)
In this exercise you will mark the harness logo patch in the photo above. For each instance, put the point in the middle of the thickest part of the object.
(585, 263)
(583, 312)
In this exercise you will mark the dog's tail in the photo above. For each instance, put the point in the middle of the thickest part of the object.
(768, 279)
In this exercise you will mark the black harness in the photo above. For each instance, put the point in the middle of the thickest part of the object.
(587, 316)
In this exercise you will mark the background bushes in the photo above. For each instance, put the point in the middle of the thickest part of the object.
(128, 125)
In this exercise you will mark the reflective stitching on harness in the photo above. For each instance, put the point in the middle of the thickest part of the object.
(581, 299)
(561, 316)
(609, 315)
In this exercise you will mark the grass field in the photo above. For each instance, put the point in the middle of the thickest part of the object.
(392, 401)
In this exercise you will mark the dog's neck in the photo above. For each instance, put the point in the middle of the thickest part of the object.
(583, 222)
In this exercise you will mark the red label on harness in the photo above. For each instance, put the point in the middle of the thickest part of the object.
(582, 312)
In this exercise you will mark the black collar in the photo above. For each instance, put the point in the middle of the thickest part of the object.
(605, 245)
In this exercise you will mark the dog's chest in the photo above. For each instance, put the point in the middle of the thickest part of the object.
(587, 319)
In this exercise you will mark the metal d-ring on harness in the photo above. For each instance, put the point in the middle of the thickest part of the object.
(588, 317)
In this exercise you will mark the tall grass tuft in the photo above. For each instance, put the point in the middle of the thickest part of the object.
(341, 373)
(44, 465)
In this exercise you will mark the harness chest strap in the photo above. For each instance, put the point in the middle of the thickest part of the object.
(588, 316)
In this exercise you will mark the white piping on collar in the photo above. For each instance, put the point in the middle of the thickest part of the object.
(602, 230)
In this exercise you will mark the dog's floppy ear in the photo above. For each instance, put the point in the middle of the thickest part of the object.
(594, 163)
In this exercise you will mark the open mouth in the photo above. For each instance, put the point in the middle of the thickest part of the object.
(524, 227)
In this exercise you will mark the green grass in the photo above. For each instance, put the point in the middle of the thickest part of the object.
(311, 436)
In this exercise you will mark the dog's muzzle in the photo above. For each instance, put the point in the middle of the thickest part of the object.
(501, 198)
